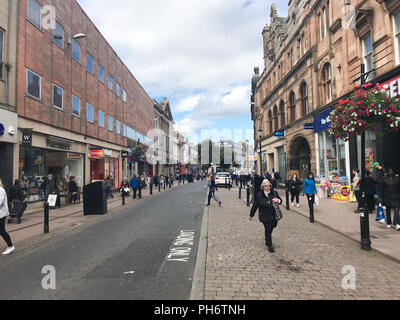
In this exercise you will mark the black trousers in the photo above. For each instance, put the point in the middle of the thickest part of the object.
(396, 220)
(311, 201)
(295, 195)
(268, 234)
(3, 232)
(134, 193)
(211, 194)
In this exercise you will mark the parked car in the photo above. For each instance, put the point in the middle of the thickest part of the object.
(223, 178)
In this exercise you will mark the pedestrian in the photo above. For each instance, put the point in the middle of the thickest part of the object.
(391, 197)
(18, 201)
(212, 188)
(294, 188)
(3, 216)
(109, 185)
(356, 188)
(264, 202)
(310, 190)
(368, 188)
(268, 177)
(72, 190)
(277, 177)
(125, 187)
(380, 173)
(134, 185)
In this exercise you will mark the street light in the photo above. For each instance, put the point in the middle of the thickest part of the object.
(76, 37)
(260, 135)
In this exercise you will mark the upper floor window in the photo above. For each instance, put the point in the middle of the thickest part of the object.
(125, 130)
(89, 112)
(33, 83)
(76, 50)
(110, 123)
(57, 96)
(118, 126)
(1, 45)
(327, 82)
(124, 96)
(35, 13)
(320, 27)
(118, 89)
(275, 117)
(368, 55)
(110, 82)
(326, 21)
(76, 106)
(89, 63)
(101, 74)
(396, 22)
(304, 99)
(270, 122)
(292, 106)
(282, 113)
(101, 118)
(58, 35)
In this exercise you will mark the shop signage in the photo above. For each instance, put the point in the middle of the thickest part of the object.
(1, 129)
(124, 154)
(107, 153)
(322, 120)
(393, 87)
(279, 134)
(27, 138)
(74, 155)
(309, 126)
(58, 145)
(97, 153)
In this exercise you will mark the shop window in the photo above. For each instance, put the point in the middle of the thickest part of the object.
(396, 22)
(110, 82)
(118, 127)
(101, 118)
(118, 89)
(76, 106)
(33, 84)
(110, 123)
(101, 74)
(76, 50)
(304, 99)
(327, 82)
(292, 102)
(34, 13)
(58, 35)
(368, 55)
(89, 112)
(57, 97)
(89, 63)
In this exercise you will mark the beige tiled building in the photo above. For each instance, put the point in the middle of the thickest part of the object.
(312, 58)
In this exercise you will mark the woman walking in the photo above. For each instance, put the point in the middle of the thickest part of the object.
(391, 198)
(294, 187)
(264, 202)
(17, 198)
(72, 190)
(310, 190)
(3, 216)
(212, 187)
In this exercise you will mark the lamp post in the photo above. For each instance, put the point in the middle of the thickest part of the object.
(260, 135)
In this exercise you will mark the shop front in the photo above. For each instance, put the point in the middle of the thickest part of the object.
(104, 165)
(47, 169)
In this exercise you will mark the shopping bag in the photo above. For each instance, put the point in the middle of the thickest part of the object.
(380, 217)
(317, 200)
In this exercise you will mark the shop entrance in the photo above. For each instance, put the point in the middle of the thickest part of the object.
(300, 160)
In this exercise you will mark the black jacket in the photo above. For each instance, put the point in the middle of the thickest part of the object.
(72, 186)
(391, 191)
(266, 209)
(16, 193)
(295, 186)
(367, 185)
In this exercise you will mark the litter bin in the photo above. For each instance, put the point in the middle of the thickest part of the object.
(95, 198)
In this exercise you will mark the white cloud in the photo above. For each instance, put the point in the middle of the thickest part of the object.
(187, 104)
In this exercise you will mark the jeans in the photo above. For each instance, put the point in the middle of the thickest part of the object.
(134, 193)
(357, 193)
(396, 220)
(212, 195)
(3, 232)
(311, 200)
(109, 194)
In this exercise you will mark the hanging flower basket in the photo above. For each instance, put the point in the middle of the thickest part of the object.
(366, 109)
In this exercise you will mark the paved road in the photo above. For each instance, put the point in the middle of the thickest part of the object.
(126, 255)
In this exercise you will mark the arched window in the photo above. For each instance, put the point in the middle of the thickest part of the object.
(292, 106)
(327, 82)
(282, 113)
(270, 121)
(304, 99)
(276, 121)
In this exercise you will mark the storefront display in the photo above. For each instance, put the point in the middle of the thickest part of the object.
(102, 165)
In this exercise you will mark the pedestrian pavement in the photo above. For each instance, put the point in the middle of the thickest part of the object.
(311, 260)
(64, 219)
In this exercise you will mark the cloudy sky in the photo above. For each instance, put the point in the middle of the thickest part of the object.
(200, 54)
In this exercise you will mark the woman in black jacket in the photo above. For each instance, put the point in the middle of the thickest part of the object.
(18, 201)
(391, 198)
(264, 202)
(295, 188)
(72, 190)
(368, 187)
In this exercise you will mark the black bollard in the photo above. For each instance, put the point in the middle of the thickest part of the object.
(240, 192)
(287, 196)
(46, 217)
(364, 223)
(248, 196)
(159, 187)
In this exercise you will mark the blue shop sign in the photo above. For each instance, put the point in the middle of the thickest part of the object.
(322, 120)
(279, 134)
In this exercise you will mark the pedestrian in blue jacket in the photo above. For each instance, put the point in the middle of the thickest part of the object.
(310, 190)
(135, 185)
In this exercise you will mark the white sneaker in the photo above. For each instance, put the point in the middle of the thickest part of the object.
(9, 250)
(397, 227)
(292, 204)
(298, 206)
(388, 226)
(383, 221)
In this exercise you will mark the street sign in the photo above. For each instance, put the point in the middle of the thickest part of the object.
(279, 134)
(309, 126)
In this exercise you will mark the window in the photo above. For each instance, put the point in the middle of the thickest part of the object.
(33, 83)
(76, 50)
(118, 127)
(1, 50)
(76, 106)
(326, 21)
(110, 123)
(89, 112)
(304, 44)
(124, 97)
(110, 82)
(270, 122)
(299, 48)
(292, 101)
(118, 89)
(34, 13)
(57, 96)
(276, 120)
(101, 74)
(282, 113)
(101, 118)
(125, 130)
(396, 21)
(320, 27)
(327, 82)
(58, 35)
(89, 63)
(368, 54)
(304, 99)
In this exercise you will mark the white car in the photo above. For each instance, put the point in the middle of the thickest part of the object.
(223, 178)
